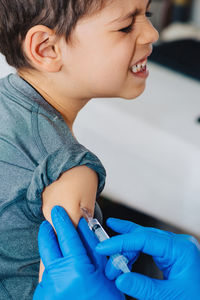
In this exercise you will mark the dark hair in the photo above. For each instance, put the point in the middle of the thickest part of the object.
(18, 16)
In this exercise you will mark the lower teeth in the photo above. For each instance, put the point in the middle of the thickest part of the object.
(143, 69)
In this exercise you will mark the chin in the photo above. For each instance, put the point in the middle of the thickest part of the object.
(132, 96)
(132, 92)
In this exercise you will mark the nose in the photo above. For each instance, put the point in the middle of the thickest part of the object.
(148, 34)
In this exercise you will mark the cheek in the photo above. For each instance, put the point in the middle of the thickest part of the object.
(112, 63)
(103, 65)
(120, 56)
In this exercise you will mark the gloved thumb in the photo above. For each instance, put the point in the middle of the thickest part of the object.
(139, 286)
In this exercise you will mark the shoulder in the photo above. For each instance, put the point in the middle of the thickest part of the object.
(27, 121)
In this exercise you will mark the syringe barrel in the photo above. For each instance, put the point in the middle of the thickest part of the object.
(96, 227)
(118, 260)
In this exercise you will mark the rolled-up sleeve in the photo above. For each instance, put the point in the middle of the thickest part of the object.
(54, 164)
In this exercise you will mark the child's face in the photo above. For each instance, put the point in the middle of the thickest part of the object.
(101, 60)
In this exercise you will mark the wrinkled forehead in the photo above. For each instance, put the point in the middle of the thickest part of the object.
(126, 11)
(125, 4)
(116, 11)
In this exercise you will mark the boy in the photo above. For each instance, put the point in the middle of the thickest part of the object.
(66, 52)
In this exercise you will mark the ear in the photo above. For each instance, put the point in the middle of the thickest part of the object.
(42, 49)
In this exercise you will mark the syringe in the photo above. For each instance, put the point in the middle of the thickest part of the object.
(118, 260)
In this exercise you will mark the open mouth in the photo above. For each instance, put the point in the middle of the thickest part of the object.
(140, 67)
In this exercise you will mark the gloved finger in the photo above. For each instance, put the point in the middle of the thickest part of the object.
(149, 242)
(39, 291)
(110, 270)
(90, 241)
(132, 257)
(121, 226)
(48, 245)
(69, 240)
(140, 286)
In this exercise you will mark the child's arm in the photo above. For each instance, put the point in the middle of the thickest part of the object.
(75, 188)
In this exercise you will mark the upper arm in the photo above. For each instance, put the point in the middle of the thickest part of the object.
(75, 188)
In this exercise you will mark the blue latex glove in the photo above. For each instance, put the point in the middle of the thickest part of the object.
(73, 269)
(112, 273)
(177, 256)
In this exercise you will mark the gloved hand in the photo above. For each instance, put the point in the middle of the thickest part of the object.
(73, 270)
(177, 256)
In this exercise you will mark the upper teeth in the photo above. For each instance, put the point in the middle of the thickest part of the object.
(139, 66)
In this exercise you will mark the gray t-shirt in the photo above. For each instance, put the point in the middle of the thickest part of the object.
(36, 146)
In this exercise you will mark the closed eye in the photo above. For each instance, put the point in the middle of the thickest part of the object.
(129, 28)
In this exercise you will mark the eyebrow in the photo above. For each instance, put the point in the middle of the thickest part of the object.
(130, 14)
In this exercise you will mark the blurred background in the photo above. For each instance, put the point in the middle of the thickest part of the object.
(150, 146)
(178, 22)
(167, 12)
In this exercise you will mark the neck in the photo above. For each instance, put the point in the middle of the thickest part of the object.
(67, 107)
